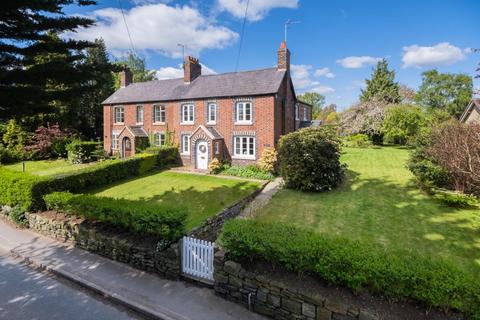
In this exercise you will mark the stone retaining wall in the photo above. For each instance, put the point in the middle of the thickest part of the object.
(211, 228)
(165, 262)
(274, 299)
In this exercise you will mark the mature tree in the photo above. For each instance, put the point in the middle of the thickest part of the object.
(317, 101)
(365, 117)
(25, 34)
(326, 111)
(382, 85)
(402, 123)
(446, 91)
(89, 110)
(407, 94)
(138, 68)
(455, 147)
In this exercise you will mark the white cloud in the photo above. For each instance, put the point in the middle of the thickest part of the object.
(324, 72)
(302, 79)
(257, 9)
(143, 2)
(173, 73)
(301, 76)
(357, 62)
(157, 27)
(322, 89)
(442, 53)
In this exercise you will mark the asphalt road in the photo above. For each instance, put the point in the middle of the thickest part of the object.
(29, 294)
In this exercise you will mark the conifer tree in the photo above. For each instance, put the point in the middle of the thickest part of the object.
(382, 85)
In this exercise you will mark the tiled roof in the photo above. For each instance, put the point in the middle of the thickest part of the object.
(214, 133)
(257, 82)
(138, 131)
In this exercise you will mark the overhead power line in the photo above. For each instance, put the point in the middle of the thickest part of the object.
(126, 27)
(241, 36)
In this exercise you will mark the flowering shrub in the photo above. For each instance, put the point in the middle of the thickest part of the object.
(268, 160)
(214, 166)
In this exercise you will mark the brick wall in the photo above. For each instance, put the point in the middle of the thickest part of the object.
(262, 126)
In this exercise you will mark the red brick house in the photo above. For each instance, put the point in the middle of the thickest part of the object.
(231, 116)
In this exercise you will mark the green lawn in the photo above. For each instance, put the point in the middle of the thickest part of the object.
(380, 203)
(48, 167)
(202, 196)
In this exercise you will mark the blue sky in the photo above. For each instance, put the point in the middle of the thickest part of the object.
(334, 47)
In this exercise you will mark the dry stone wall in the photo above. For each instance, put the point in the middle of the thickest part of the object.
(163, 261)
(275, 299)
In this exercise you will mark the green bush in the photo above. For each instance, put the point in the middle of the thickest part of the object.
(167, 155)
(310, 160)
(81, 151)
(251, 171)
(454, 198)
(20, 188)
(17, 216)
(131, 216)
(359, 266)
(358, 140)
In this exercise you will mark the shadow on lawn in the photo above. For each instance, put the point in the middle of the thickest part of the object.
(392, 213)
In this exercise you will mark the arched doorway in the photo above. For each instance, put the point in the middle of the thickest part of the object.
(126, 147)
(201, 155)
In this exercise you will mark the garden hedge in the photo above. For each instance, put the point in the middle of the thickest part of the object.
(19, 188)
(355, 264)
(131, 216)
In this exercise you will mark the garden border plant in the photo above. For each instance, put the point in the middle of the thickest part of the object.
(354, 264)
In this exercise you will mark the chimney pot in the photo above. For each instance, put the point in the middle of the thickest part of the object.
(191, 69)
(283, 57)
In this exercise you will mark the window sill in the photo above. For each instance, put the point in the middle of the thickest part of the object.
(158, 123)
(187, 123)
(184, 153)
(119, 123)
(243, 123)
(212, 123)
(139, 124)
(244, 158)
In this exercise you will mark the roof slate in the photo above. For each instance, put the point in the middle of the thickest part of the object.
(256, 82)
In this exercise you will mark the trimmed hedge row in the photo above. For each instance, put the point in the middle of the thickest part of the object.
(355, 264)
(132, 216)
(18, 188)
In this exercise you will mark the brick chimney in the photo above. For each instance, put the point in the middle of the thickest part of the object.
(283, 57)
(126, 78)
(191, 69)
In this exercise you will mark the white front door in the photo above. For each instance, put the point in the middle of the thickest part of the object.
(202, 155)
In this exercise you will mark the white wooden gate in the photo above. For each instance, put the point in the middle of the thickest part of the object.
(197, 258)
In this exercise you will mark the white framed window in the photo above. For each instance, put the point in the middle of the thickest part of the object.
(159, 139)
(159, 114)
(243, 112)
(115, 141)
(217, 147)
(188, 113)
(305, 116)
(212, 113)
(119, 115)
(185, 144)
(244, 147)
(139, 114)
(296, 112)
